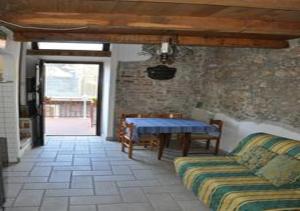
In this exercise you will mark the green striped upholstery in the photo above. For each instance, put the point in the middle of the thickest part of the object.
(277, 144)
(224, 185)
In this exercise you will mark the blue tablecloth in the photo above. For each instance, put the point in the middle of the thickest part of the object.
(164, 125)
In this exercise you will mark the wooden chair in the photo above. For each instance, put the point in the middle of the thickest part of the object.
(170, 115)
(127, 141)
(208, 138)
(122, 122)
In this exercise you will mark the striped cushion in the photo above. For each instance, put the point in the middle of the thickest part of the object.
(224, 185)
(277, 144)
(256, 158)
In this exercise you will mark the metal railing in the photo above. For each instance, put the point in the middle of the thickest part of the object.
(70, 107)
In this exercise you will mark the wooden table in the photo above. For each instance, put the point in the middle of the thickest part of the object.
(165, 136)
(164, 127)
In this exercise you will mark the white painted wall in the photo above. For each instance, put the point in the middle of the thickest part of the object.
(11, 56)
(130, 52)
(9, 97)
(9, 120)
(107, 110)
(120, 53)
(234, 130)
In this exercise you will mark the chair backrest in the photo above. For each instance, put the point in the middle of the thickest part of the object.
(277, 144)
(168, 115)
(128, 130)
(124, 116)
(175, 116)
(218, 124)
(122, 122)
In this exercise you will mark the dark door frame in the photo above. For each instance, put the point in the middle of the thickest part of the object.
(99, 100)
(99, 91)
(39, 126)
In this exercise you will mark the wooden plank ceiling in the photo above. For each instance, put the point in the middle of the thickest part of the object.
(235, 23)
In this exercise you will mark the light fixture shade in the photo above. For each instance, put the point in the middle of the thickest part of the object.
(161, 72)
(164, 47)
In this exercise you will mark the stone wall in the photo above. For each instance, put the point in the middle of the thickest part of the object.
(252, 84)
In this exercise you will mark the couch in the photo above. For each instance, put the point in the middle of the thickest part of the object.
(223, 183)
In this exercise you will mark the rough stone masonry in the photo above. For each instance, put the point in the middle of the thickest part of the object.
(247, 84)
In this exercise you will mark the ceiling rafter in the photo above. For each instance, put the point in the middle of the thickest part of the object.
(267, 4)
(131, 22)
(151, 39)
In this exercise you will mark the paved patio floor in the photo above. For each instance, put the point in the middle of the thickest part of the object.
(89, 174)
(69, 126)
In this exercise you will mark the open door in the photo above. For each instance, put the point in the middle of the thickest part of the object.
(72, 98)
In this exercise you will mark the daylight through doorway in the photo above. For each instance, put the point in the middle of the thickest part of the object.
(71, 98)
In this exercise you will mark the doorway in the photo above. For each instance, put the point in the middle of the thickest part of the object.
(72, 98)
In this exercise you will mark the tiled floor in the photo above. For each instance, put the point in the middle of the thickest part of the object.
(65, 126)
(90, 174)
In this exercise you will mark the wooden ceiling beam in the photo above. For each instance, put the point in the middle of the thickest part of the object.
(49, 52)
(266, 4)
(72, 36)
(55, 5)
(232, 42)
(155, 23)
(150, 39)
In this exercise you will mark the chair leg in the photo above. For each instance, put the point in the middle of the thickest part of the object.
(168, 138)
(152, 145)
(123, 146)
(167, 143)
(186, 144)
(208, 144)
(130, 148)
(217, 146)
(179, 139)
